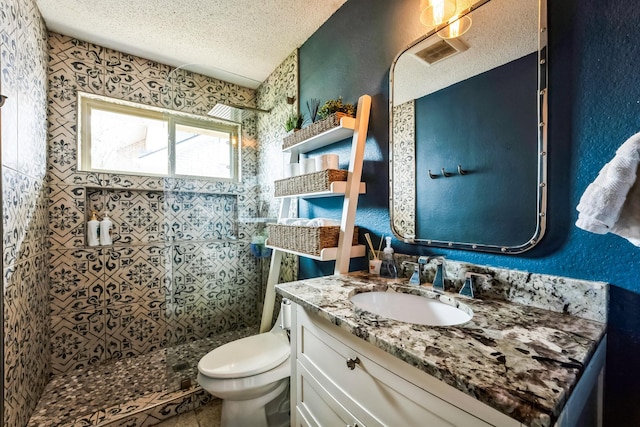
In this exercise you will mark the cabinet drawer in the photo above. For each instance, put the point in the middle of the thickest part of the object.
(374, 394)
(316, 407)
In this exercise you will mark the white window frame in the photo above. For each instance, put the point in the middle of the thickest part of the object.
(87, 102)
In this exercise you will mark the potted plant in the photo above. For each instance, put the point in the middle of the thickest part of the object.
(336, 106)
(294, 122)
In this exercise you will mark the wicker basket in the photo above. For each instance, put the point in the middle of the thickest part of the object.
(307, 240)
(313, 129)
(308, 183)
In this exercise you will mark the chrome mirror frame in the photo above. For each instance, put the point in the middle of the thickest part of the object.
(542, 109)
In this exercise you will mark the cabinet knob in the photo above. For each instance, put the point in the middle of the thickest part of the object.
(352, 362)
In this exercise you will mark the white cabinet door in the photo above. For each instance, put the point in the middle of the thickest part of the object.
(369, 391)
(317, 407)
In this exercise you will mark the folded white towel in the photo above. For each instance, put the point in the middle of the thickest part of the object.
(316, 222)
(322, 222)
(292, 221)
(602, 203)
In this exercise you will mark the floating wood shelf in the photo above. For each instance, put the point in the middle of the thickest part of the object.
(344, 131)
(326, 254)
(337, 188)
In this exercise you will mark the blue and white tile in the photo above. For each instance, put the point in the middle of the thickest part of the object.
(9, 84)
(76, 278)
(136, 275)
(77, 340)
(14, 186)
(193, 216)
(137, 216)
(63, 152)
(36, 220)
(134, 329)
(66, 216)
(122, 181)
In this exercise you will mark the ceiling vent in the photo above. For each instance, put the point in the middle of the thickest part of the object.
(440, 50)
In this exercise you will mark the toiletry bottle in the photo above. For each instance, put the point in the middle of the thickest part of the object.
(105, 230)
(92, 230)
(388, 268)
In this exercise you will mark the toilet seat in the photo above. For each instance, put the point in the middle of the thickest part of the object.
(246, 357)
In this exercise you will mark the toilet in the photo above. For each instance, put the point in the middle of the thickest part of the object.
(250, 375)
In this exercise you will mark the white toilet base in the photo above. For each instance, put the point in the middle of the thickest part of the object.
(251, 412)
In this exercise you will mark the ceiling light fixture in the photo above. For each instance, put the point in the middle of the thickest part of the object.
(436, 12)
(457, 27)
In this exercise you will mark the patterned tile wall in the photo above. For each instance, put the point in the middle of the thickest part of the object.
(23, 61)
(272, 95)
(180, 268)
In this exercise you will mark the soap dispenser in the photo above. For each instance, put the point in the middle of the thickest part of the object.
(105, 230)
(388, 267)
(92, 230)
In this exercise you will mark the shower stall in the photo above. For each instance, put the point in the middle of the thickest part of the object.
(117, 330)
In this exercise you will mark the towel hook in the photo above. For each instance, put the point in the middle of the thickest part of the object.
(445, 174)
(461, 171)
(432, 176)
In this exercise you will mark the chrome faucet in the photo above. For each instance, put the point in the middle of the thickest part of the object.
(415, 277)
(467, 288)
(438, 279)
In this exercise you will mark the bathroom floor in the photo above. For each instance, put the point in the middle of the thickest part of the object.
(135, 392)
(204, 416)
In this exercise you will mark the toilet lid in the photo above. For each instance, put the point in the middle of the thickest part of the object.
(247, 356)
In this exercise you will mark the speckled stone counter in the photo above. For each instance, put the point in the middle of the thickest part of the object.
(521, 360)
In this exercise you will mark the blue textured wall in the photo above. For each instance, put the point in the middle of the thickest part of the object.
(594, 107)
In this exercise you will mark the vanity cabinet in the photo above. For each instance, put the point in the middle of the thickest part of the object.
(340, 380)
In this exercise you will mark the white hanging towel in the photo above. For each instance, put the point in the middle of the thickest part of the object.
(611, 203)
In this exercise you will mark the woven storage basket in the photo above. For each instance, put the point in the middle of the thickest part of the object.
(308, 183)
(313, 129)
(307, 240)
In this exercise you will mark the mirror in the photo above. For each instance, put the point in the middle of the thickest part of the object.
(468, 119)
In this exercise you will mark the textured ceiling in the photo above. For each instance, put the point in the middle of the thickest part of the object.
(502, 30)
(240, 41)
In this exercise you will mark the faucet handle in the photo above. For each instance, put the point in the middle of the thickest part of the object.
(415, 277)
(467, 288)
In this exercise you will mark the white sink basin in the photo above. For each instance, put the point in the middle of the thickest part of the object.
(410, 308)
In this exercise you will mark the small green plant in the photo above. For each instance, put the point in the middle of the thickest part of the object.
(336, 106)
(294, 121)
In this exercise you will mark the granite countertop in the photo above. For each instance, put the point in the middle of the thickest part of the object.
(521, 360)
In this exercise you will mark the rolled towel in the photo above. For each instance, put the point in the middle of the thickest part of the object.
(292, 221)
(601, 204)
(322, 222)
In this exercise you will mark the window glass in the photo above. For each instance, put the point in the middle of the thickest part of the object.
(125, 143)
(195, 143)
(124, 137)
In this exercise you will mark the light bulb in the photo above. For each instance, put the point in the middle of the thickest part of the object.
(456, 28)
(435, 12)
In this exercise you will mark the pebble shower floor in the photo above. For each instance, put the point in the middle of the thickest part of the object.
(135, 392)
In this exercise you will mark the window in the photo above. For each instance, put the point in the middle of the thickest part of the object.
(124, 137)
